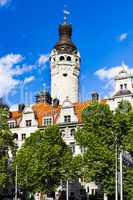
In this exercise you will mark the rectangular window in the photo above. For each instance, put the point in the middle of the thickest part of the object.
(11, 124)
(48, 121)
(67, 118)
(72, 146)
(28, 123)
(82, 149)
(23, 136)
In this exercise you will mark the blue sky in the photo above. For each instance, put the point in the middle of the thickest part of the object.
(102, 30)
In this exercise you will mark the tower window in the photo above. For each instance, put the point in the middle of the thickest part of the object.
(65, 74)
(121, 87)
(68, 58)
(76, 59)
(62, 58)
(125, 86)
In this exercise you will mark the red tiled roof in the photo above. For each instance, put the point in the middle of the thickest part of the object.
(42, 109)
(15, 115)
(80, 106)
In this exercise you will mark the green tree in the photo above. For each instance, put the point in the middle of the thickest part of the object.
(102, 129)
(43, 161)
(6, 144)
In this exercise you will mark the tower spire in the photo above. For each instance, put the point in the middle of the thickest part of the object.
(66, 14)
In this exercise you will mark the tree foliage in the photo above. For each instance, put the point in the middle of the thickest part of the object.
(6, 144)
(43, 161)
(102, 129)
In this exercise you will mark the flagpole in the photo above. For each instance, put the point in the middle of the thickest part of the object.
(116, 173)
(67, 188)
(121, 177)
(16, 183)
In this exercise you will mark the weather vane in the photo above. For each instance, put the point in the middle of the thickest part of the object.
(66, 13)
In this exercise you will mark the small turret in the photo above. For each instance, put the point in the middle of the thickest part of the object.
(43, 97)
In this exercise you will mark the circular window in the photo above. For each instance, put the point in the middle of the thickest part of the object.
(65, 74)
(68, 58)
(76, 60)
(62, 58)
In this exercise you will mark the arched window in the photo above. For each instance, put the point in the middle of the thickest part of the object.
(121, 87)
(72, 133)
(62, 58)
(68, 58)
(15, 136)
(63, 133)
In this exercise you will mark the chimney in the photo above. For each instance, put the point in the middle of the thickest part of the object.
(95, 96)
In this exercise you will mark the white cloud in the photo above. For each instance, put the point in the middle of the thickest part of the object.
(123, 37)
(108, 74)
(13, 67)
(7, 71)
(4, 2)
(43, 59)
(28, 80)
(23, 69)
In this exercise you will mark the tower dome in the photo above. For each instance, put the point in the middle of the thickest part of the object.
(65, 44)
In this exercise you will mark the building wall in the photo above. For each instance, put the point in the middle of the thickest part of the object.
(65, 77)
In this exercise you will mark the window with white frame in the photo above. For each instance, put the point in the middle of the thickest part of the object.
(82, 149)
(67, 118)
(63, 133)
(28, 123)
(72, 146)
(48, 121)
(15, 136)
(12, 124)
(72, 132)
(23, 136)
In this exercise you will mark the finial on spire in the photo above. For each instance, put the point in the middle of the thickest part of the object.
(66, 13)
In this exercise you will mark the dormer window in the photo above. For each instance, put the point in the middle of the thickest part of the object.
(121, 87)
(28, 123)
(67, 118)
(12, 124)
(48, 121)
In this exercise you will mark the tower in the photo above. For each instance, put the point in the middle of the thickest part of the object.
(65, 65)
(123, 88)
